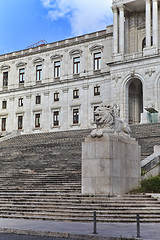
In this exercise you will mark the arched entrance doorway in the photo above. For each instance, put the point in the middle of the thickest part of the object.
(135, 106)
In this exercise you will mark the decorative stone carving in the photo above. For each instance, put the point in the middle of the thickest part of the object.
(150, 71)
(38, 60)
(116, 77)
(56, 56)
(75, 52)
(96, 48)
(132, 72)
(21, 64)
(5, 67)
(108, 121)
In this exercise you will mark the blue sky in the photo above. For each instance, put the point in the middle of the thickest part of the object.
(25, 22)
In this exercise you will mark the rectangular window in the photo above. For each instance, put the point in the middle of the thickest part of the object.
(20, 102)
(4, 104)
(5, 79)
(56, 97)
(37, 120)
(76, 65)
(75, 93)
(57, 69)
(39, 72)
(3, 124)
(97, 61)
(97, 91)
(95, 107)
(75, 116)
(21, 75)
(56, 118)
(20, 122)
(38, 99)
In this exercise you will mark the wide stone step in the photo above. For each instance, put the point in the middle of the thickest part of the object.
(79, 212)
(80, 219)
(74, 206)
(52, 199)
(100, 215)
(80, 202)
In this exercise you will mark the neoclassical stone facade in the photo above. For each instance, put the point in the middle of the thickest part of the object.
(135, 64)
(58, 86)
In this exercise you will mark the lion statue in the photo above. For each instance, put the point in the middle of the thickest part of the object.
(108, 121)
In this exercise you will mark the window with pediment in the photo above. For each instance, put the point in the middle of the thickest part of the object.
(96, 51)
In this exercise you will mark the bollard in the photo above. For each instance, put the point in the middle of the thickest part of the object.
(138, 226)
(95, 223)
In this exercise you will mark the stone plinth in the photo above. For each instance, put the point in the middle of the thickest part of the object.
(110, 165)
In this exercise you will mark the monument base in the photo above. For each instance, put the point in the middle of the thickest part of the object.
(110, 165)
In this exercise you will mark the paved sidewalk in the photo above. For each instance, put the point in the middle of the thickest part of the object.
(77, 230)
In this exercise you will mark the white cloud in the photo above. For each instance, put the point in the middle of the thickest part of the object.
(83, 15)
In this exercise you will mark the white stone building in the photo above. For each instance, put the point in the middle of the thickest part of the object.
(57, 86)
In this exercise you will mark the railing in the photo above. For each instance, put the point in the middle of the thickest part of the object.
(95, 223)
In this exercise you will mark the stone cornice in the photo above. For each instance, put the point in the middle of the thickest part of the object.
(49, 47)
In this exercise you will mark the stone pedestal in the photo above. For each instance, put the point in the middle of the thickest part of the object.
(110, 165)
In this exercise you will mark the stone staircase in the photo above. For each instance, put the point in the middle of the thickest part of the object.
(148, 135)
(49, 161)
(40, 178)
(77, 207)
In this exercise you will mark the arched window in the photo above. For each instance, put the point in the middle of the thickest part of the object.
(144, 43)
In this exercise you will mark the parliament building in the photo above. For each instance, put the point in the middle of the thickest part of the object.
(57, 86)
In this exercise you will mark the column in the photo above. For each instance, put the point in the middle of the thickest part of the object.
(121, 29)
(155, 22)
(115, 30)
(148, 23)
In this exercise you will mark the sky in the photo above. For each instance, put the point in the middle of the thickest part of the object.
(25, 22)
